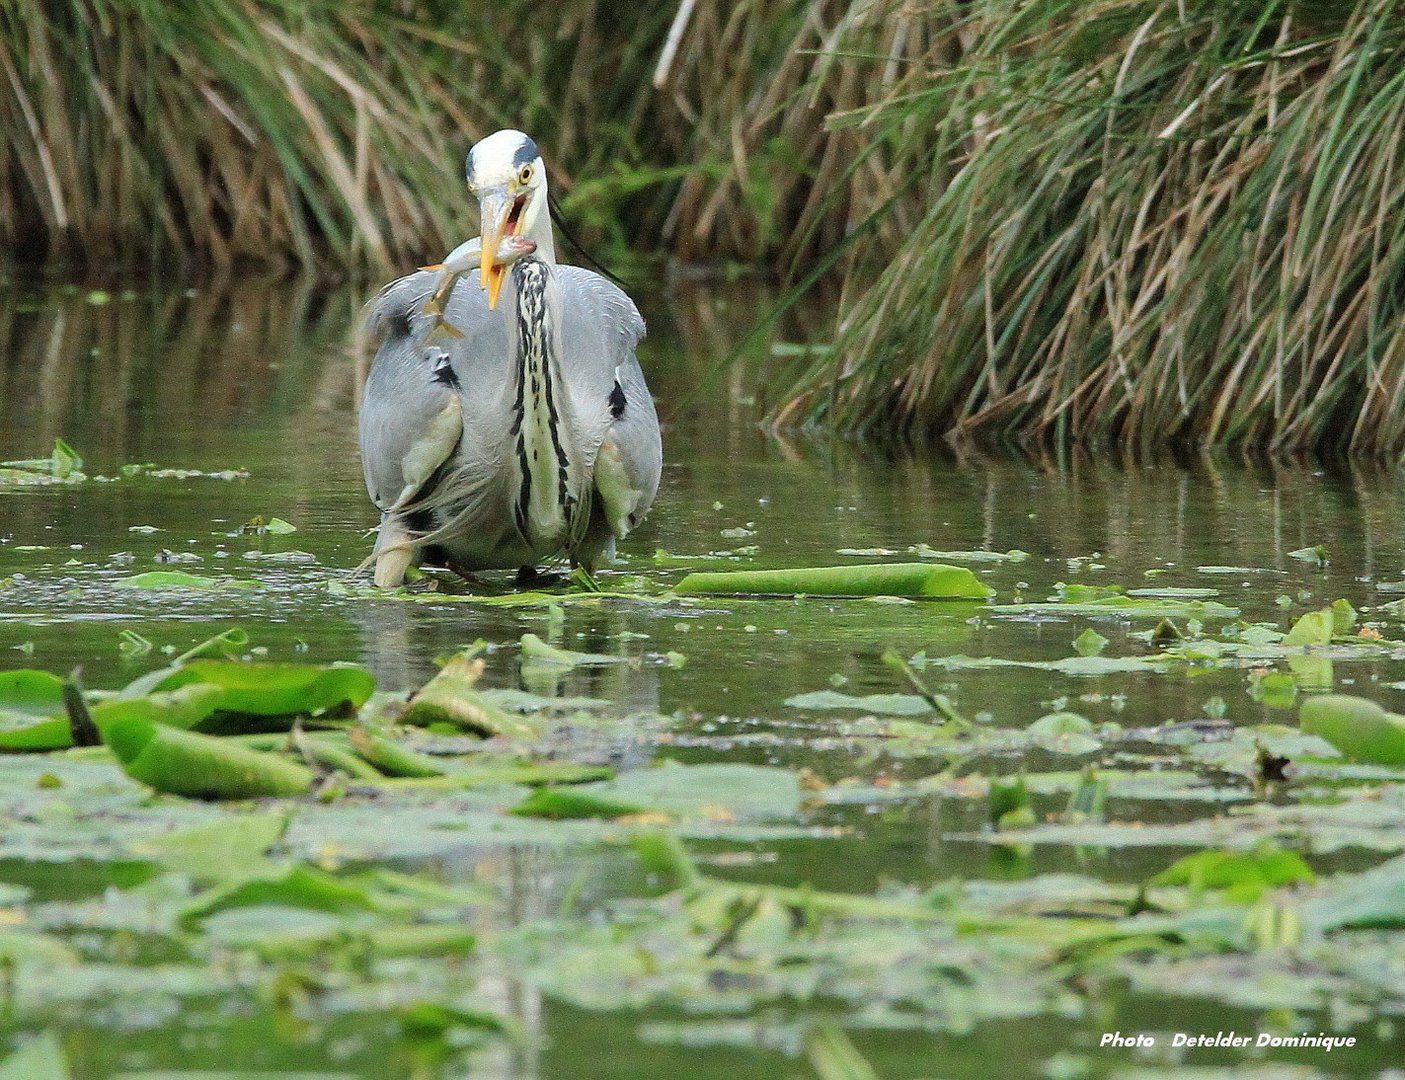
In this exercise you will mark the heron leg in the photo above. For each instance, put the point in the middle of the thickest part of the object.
(395, 551)
(469, 576)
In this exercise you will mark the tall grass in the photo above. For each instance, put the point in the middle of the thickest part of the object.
(1143, 221)
(307, 131)
(333, 132)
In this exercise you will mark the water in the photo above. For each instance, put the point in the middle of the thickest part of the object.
(259, 377)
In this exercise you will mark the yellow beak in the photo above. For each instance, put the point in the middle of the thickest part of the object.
(498, 220)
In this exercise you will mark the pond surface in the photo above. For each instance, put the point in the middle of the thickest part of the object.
(254, 383)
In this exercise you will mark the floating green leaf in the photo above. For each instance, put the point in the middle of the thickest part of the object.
(662, 853)
(932, 581)
(298, 886)
(1064, 733)
(500, 773)
(132, 645)
(535, 649)
(227, 643)
(1244, 875)
(1314, 628)
(452, 697)
(236, 846)
(27, 695)
(1359, 728)
(267, 689)
(63, 466)
(392, 758)
(833, 1055)
(381, 942)
(185, 708)
(21, 947)
(1086, 801)
(553, 802)
(166, 579)
(41, 1058)
(1134, 607)
(1373, 900)
(337, 757)
(432, 1018)
(878, 704)
(200, 766)
(1009, 804)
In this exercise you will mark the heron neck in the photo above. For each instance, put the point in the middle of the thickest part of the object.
(547, 497)
(539, 229)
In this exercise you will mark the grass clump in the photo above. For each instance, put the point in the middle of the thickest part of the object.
(1140, 222)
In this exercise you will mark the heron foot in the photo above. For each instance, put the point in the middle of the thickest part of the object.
(529, 577)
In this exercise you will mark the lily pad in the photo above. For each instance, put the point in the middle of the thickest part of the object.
(537, 650)
(918, 580)
(452, 697)
(26, 694)
(166, 579)
(877, 704)
(200, 766)
(1359, 728)
(267, 689)
(40, 1058)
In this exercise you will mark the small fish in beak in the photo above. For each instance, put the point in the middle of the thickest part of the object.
(464, 259)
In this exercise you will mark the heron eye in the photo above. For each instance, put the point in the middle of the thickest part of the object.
(525, 176)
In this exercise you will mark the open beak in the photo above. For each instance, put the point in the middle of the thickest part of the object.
(501, 216)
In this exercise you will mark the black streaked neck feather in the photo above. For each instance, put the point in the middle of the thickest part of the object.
(543, 463)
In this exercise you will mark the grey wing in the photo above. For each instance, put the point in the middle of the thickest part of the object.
(600, 332)
(414, 409)
(410, 418)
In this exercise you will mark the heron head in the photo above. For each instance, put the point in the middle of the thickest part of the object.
(505, 173)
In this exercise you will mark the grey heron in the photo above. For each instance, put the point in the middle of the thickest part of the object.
(499, 439)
